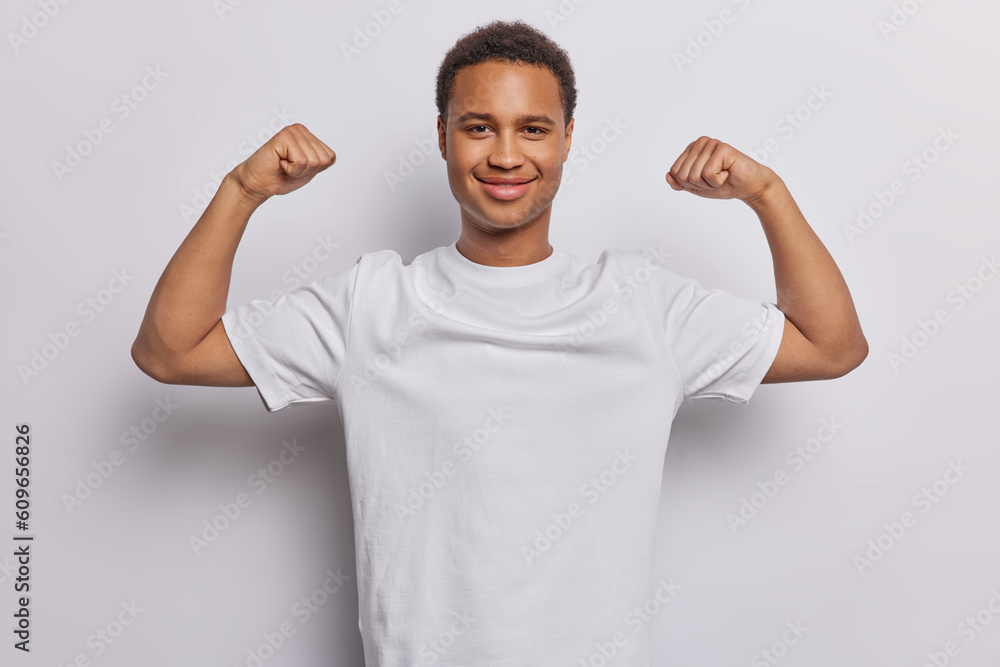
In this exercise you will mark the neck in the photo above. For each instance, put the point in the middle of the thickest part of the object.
(515, 248)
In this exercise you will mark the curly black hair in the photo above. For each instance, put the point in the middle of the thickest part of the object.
(516, 42)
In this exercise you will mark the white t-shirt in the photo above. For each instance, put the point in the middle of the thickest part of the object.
(505, 429)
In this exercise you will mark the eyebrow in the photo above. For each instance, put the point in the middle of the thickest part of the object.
(533, 118)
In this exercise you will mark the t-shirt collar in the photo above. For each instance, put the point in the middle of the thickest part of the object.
(503, 275)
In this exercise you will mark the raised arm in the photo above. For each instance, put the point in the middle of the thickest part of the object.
(181, 339)
(822, 338)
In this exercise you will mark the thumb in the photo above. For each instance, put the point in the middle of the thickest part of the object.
(719, 178)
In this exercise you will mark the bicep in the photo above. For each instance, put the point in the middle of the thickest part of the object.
(213, 363)
(799, 360)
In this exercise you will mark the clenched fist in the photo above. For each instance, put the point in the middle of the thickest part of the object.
(712, 169)
(285, 163)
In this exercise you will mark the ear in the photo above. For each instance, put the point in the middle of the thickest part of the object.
(569, 138)
(441, 136)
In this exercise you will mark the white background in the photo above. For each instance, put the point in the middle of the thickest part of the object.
(888, 94)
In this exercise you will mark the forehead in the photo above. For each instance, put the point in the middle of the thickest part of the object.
(505, 88)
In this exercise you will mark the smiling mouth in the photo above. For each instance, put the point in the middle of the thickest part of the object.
(503, 181)
(506, 191)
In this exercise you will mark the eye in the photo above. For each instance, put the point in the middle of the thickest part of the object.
(475, 128)
(538, 130)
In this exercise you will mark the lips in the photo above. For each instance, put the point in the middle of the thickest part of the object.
(505, 188)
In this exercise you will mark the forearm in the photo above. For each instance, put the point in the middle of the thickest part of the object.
(190, 296)
(811, 291)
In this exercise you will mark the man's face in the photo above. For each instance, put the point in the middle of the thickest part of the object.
(505, 126)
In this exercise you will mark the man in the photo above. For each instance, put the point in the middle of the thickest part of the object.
(506, 405)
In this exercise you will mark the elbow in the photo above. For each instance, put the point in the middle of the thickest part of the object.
(851, 356)
(147, 363)
(862, 350)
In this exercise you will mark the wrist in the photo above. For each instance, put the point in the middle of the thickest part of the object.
(772, 190)
(247, 197)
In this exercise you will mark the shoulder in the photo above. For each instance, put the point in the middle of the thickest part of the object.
(380, 258)
(649, 265)
(376, 262)
(384, 268)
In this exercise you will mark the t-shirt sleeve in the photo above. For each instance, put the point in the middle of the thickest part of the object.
(721, 344)
(295, 345)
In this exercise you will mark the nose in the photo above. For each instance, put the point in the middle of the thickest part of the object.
(506, 153)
